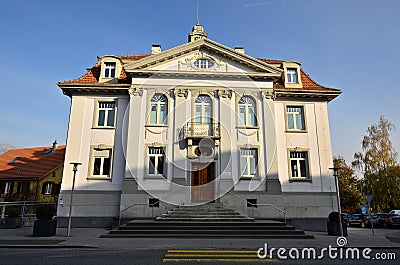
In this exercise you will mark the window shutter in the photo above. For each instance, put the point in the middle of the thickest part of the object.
(43, 187)
(12, 187)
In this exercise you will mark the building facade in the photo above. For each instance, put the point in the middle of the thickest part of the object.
(32, 174)
(198, 123)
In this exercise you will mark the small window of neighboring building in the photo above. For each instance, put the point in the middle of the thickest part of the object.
(295, 118)
(101, 162)
(159, 109)
(248, 162)
(8, 187)
(109, 70)
(247, 111)
(299, 165)
(291, 75)
(156, 160)
(106, 114)
(47, 188)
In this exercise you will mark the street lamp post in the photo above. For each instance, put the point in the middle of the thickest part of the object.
(335, 175)
(75, 169)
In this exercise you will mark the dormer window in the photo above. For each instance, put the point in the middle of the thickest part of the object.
(203, 63)
(291, 75)
(109, 70)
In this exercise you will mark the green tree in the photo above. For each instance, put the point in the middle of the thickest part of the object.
(378, 164)
(349, 186)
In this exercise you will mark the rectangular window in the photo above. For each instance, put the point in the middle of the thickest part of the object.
(291, 74)
(299, 165)
(295, 118)
(102, 162)
(248, 162)
(47, 188)
(7, 187)
(153, 202)
(109, 70)
(156, 160)
(106, 116)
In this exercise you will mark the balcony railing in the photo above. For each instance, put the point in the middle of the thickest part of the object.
(200, 130)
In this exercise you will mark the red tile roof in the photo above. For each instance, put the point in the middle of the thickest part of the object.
(93, 74)
(32, 162)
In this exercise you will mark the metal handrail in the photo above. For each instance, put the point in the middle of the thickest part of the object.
(259, 204)
(138, 204)
(152, 209)
(23, 205)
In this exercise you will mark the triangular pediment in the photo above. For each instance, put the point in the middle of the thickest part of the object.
(183, 58)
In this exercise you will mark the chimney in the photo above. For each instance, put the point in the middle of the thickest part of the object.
(239, 49)
(55, 146)
(155, 48)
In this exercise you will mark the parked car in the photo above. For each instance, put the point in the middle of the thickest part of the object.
(396, 212)
(355, 219)
(395, 221)
(377, 219)
(346, 217)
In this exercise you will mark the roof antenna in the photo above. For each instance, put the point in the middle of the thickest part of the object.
(197, 12)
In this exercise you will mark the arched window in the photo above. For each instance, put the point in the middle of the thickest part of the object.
(203, 106)
(159, 109)
(247, 111)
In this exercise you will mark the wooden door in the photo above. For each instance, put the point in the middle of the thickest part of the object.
(202, 185)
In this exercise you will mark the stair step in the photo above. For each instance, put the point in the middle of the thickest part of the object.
(184, 235)
(211, 232)
(209, 219)
(205, 228)
(263, 223)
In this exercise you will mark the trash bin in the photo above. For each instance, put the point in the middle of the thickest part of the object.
(333, 225)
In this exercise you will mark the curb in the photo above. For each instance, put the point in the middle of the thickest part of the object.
(44, 246)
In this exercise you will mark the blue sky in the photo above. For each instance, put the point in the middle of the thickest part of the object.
(352, 45)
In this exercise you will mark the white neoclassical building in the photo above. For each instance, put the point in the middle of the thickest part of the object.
(198, 123)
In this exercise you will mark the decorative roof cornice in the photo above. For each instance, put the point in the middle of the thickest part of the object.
(204, 43)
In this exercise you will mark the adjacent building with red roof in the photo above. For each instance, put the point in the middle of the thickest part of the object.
(32, 174)
(198, 123)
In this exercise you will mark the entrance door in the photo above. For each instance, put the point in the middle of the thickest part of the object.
(202, 185)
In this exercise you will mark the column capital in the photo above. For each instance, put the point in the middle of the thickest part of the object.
(225, 93)
(269, 94)
(181, 92)
(135, 91)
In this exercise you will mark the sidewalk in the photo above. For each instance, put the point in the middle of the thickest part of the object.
(89, 238)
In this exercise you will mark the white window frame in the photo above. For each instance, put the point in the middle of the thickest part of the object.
(204, 63)
(249, 156)
(203, 101)
(292, 76)
(7, 187)
(99, 152)
(158, 100)
(156, 158)
(244, 102)
(296, 174)
(107, 111)
(294, 114)
(109, 67)
(47, 188)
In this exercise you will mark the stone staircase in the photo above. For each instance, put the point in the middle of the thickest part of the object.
(206, 221)
(212, 212)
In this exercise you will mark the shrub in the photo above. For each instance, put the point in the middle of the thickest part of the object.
(13, 212)
(45, 212)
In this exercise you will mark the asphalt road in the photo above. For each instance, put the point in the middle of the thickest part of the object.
(61, 256)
